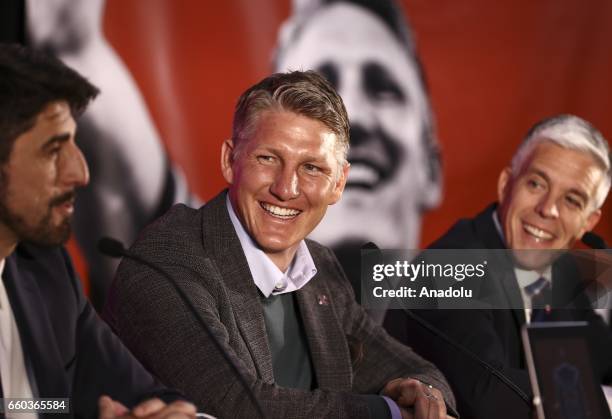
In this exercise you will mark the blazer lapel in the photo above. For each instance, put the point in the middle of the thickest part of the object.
(249, 319)
(221, 241)
(513, 295)
(328, 350)
(35, 329)
(504, 275)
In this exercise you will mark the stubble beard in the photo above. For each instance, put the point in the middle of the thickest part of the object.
(43, 233)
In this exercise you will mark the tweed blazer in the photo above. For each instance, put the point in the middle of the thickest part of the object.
(201, 250)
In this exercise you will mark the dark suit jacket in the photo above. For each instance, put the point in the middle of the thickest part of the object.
(493, 334)
(68, 349)
(201, 250)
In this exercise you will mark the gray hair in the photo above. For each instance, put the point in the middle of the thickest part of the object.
(571, 132)
(305, 93)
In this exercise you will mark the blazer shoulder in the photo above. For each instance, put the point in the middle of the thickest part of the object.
(54, 260)
(462, 234)
(471, 233)
(31, 251)
(177, 219)
(52, 271)
(180, 226)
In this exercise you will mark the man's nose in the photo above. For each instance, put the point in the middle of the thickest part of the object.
(74, 171)
(359, 106)
(286, 185)
(547, 207)
(360, 136)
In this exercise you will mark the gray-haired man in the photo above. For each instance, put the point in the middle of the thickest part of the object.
(548, 197)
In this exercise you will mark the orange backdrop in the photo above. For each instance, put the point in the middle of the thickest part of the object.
(494, 68)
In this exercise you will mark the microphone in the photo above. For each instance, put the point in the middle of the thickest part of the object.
(457, 346)
(111, 247)
(497, 373)
(594, 241)
(114, 248)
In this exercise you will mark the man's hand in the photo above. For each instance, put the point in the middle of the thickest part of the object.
(150, 409)
(415, 399)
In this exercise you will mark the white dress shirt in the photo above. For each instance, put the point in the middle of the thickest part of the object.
(269, 279)
(15, 382)
(524, 277)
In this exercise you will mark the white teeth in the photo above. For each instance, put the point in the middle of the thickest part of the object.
(279, 211)
(537, 233)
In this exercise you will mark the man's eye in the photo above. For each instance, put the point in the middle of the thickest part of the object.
(534, 184)
(263, 158)
(574, 202)
(330, 72)
(380, 85)
(311, 168)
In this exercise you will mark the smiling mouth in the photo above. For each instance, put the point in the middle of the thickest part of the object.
(363, 176)
(374, 156)
(537, 233)
(279, 212)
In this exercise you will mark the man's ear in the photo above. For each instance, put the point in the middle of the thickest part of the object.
(503, 184)
(340, 184)
(227, 158)
(591, 221)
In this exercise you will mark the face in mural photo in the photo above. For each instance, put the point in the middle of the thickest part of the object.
(131, 172)
(394, 173)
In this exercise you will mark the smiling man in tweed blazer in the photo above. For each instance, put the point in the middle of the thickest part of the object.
(279, 304)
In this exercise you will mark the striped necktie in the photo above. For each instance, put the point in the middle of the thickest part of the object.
(540, 293)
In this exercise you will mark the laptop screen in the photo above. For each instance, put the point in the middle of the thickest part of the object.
(561, 373)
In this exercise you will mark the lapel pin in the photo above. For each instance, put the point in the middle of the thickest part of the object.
(322, 299)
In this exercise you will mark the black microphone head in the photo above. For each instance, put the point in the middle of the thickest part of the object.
(594, 241)
(370, 246)
(111, 247)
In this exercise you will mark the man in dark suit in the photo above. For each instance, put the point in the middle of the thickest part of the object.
(52, 343)
(280, 305)
(549, 197)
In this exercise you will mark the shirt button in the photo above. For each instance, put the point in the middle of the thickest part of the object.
(279, 286)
